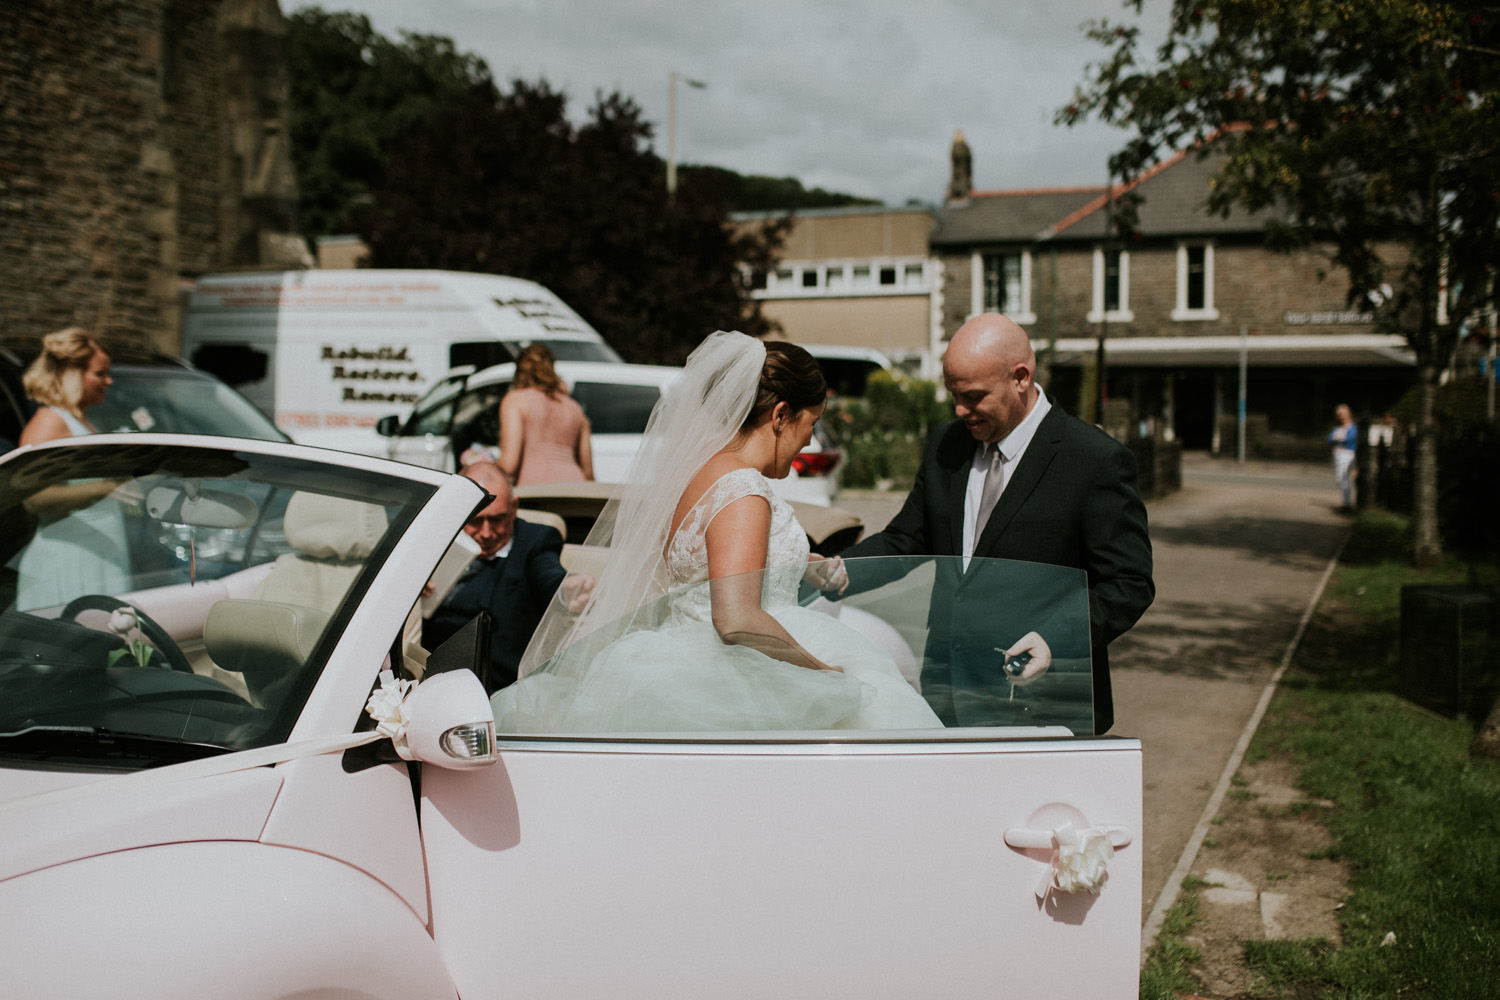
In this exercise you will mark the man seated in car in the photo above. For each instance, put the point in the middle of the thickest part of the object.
(516, 573)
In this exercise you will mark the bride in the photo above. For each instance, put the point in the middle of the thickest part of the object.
(694, 624)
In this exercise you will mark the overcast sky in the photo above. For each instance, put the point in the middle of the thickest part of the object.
(862, 98)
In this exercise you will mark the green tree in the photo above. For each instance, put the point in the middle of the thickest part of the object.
(353, 91)
(505, 183)
(1370, 125)
(758, 193)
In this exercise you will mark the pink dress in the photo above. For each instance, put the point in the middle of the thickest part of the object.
(550, 431)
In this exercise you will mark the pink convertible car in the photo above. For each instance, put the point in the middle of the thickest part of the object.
(226, 772)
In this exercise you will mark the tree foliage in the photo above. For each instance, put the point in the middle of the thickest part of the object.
(759, 193)
(1369, 126)
(504, 183)
(353, 91)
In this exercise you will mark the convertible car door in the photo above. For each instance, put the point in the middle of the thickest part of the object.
(595, 868)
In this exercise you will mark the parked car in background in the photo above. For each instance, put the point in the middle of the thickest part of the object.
(226, 778)
(847, 369)
(463, 411)
(151, 392)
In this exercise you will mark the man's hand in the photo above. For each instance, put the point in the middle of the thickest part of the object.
(1030, 646)
(826, 574)
(576, 590)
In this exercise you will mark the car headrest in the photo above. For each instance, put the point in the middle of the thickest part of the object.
(325, 527)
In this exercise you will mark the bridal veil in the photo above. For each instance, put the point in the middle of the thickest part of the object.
(698, 415)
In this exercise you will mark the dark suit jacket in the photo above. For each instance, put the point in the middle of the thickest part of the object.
(1070, 501)
(514, 590)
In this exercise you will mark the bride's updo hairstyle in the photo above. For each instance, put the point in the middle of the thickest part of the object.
(55, 378)
(790, 375)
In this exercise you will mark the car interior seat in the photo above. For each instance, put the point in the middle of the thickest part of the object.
(333, 537)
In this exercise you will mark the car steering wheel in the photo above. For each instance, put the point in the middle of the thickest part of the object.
(153, 632)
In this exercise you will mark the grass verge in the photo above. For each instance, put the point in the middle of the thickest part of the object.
(1417, 819)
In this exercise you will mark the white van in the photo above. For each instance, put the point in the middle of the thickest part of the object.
(328, 353)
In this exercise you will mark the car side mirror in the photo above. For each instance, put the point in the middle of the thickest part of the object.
(388, 426)
(450, 722)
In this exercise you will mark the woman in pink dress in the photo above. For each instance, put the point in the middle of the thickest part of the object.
(544, 436)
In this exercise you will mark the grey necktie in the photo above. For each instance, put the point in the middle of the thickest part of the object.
(994, 479)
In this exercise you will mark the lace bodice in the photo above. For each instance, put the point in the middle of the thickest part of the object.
(687, 555)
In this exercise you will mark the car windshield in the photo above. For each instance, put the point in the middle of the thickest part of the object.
(168, 601)
(922, 644)
(173, 401)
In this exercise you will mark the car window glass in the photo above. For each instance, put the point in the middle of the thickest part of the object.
(917, 638)
(476, 417)
(183, 594)
(434, 412)
(173, 402)
(616, 409)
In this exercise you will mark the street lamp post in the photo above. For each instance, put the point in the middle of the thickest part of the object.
(672, 79)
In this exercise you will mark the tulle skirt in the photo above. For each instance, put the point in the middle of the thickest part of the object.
(682, 678)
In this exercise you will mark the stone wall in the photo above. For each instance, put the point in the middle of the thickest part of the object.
(125, 130)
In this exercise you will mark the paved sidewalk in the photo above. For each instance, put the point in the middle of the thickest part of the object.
(1240, 552)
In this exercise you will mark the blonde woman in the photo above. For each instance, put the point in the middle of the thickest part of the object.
(79, 545)
(544, 436)
(70, 375)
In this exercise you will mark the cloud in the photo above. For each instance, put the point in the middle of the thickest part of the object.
(856, 97)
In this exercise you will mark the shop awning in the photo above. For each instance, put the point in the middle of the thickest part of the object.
(1345, 350)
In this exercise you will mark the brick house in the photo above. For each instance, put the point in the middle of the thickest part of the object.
(1177, 305)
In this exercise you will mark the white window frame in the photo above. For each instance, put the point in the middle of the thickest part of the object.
(1123, 313)
(1182, 312)
(1024, 315)
(793, 288)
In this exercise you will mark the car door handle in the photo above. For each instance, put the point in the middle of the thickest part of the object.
(1030, 838)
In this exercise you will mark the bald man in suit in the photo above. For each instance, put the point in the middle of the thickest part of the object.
(1014, 477)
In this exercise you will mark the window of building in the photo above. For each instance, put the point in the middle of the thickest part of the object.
(1001, 282)
(1111, 287)
(801, 279)
(1195, 282)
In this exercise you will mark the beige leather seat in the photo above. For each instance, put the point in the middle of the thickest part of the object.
(268, 638)
(333, 538)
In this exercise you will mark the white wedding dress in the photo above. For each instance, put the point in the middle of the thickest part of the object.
(679, 676)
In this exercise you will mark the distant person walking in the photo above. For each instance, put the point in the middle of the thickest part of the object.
(1344, 438)
(544, 435)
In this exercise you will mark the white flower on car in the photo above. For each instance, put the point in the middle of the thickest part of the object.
(387, 706)
(122, 621)
(1079, 860)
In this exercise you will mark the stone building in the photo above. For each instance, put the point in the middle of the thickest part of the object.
(1177, 305)
(142, 143)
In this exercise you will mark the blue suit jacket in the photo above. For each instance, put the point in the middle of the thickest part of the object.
(514, 590)
(1071, 501)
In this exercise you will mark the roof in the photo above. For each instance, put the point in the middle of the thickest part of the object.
(1173, 196)
(1009, 216)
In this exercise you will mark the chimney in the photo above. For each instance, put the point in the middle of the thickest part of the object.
(961, 183)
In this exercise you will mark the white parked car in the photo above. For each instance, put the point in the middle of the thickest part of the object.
(219, 778)
(464, 410)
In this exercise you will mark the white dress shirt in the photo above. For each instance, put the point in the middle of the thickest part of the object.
(1012, 447)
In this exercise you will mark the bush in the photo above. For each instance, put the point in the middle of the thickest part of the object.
(882, 433)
